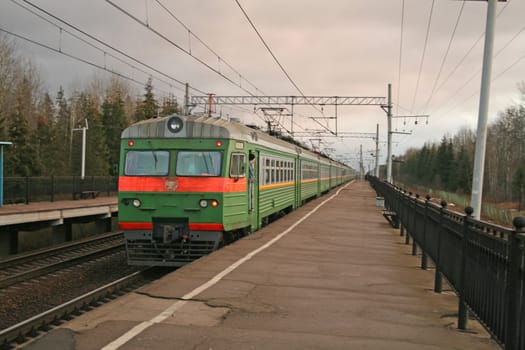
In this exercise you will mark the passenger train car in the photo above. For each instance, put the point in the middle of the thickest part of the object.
(190, 184)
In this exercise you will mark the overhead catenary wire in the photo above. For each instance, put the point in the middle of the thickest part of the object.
(423, 56)
(106, 44)
(497, 76)
(464, 57)
(443, 61)
(77, 58)
(477, 72)
(171, 42)
(400, 54)
(105, 53)
(207, 46)
(59, 50)
(278, 63)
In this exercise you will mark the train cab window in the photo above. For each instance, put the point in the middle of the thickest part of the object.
(198, 163)
(237, 165)
(147, 163)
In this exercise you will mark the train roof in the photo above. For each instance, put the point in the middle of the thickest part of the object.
(178, 126)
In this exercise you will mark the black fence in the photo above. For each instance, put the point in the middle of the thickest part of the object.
(483, 263)
(52, 188)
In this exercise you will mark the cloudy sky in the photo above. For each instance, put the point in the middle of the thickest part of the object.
(327, 48)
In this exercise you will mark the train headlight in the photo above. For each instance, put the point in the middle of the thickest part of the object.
(203, 203)
(175, 124)
(136, 203)
(214, 203)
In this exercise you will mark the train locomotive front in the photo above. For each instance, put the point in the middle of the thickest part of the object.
(182, 190)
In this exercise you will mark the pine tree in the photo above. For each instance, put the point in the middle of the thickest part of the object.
(62, 131)
(170, 106)
(148, 107)
(22, 160)
(113, 121)
(45, 138)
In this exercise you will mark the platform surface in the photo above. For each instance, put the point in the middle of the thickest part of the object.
(56, 212)
(342, 278)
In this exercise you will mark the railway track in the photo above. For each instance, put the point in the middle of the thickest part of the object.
(40, 289)
(42, 323)
(32, 265)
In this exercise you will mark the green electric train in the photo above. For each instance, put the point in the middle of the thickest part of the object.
(190, 184)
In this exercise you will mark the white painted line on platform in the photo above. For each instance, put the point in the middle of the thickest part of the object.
(123, 339)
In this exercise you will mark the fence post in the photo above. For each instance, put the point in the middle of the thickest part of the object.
(52, 188)
(414, 244)
(438, 279)
(424, 259)
(400, 213)
(513, 287)
(27, 190)
(462, 310)
(407, 199)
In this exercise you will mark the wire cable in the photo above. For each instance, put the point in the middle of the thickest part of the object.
(476, 73)
(400, 53)
(105, 53)
(423, 56)
(105, 44)
(279, 63)
(220, 59)
(462, 60)
(445, 57)
(77, 58)
(164, 37)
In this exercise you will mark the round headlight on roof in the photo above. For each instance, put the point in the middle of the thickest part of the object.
(175, 124)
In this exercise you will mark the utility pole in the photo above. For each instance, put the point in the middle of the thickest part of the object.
(376, 172)
(361, 167)
(481, 136)
(388, 110)
(187, 99)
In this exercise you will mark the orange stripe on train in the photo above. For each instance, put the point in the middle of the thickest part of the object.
(180, 184)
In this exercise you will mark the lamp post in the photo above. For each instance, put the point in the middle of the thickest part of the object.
(83, 166)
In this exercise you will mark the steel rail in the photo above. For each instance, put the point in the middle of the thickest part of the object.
(44, 320)
(65, 261)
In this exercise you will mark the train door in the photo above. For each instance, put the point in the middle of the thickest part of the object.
(253, 189)
(297, 182)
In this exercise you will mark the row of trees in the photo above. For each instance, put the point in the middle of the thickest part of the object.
(44, 128)
(448, 165)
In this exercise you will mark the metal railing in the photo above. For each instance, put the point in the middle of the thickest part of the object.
(52, 188)
(483, 263)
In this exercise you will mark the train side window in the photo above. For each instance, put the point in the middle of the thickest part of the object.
(272, 176)
(237, 165)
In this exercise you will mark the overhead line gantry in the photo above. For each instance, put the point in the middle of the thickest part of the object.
(268, 101)
(290, 100)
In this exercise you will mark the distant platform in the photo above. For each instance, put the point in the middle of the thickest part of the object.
(54, 213)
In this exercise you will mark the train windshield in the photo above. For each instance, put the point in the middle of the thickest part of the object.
(147, 163)
(198, 163)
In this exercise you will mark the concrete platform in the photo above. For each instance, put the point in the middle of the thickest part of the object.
(340, 278)
(56, 212)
